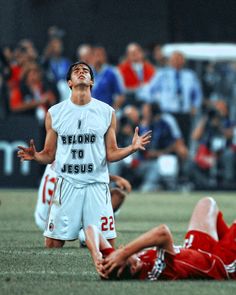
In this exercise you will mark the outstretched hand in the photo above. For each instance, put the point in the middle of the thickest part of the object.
(27, 153)
(139, 142)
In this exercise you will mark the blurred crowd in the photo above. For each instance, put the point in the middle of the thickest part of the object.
(191, 113)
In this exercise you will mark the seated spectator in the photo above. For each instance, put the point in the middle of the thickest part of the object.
(166, 140)
(34, 95)
(214, 161)
(135, 70)
(108, 86)
(132, 113)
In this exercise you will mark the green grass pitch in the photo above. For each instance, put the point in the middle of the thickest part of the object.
(26, 267)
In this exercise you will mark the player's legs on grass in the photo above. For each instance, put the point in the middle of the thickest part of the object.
(97, 210)
(45, 193)
(65, 214)
(202, 230)
(204, 217)
(117, 199)
(53, 243)
(96, 243)
(222, 227)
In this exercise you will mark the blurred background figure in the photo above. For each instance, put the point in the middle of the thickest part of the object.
(177, 90)
(5, 73)
(136, 71)
(23, 54)
(108, 86)
(54, 63)
(84, 53)
(132, 113)
(144, 64)
(34, 94)
(158, 57)
(164, 158)
(214, 162)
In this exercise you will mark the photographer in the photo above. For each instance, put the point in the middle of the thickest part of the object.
(213, 165)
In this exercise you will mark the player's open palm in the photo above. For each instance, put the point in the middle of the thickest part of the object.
(27, 153)
(139, 142)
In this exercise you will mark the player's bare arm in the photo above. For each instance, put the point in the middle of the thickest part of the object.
(121, 182)
(114, 153)
(47, 155)
(159, 236)
(96, 242)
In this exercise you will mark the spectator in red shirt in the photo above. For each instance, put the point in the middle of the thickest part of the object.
(135, 69)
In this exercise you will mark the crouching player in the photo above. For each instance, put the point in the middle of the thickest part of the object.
(46, 190)
(209, 250)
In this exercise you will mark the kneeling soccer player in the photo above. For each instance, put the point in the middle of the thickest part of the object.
(47, 187)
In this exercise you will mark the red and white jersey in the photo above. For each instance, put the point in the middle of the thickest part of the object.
(187, 264)
(225, 248)
(45, 194)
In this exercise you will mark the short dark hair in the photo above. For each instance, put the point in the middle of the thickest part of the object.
(125, 275)
(68, 75)
(155, 109)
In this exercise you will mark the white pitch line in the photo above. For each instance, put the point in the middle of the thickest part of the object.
(43, 272)
(36, 253)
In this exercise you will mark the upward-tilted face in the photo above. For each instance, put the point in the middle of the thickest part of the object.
(80, 75)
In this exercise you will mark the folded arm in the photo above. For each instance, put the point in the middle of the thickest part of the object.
(159, 236)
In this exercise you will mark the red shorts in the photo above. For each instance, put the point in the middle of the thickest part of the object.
(224, 248)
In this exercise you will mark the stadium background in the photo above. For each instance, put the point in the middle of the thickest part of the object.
(91, 21)
(26, 267)
(97, 22)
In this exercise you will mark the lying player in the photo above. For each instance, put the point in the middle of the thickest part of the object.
(46, 190)
(209, 250)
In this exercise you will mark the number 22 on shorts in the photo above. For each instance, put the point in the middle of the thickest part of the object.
(107, 223)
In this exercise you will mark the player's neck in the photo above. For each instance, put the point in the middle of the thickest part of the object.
(81, 95)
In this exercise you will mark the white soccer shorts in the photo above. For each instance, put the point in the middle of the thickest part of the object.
(73, 207)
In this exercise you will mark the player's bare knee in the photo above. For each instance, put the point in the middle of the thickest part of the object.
(207, 202)
(52, 243)
(91, 228)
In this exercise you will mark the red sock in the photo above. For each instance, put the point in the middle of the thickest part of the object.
(221, 225)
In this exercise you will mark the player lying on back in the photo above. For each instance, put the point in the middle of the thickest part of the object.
(209, 250)
(46, 190)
